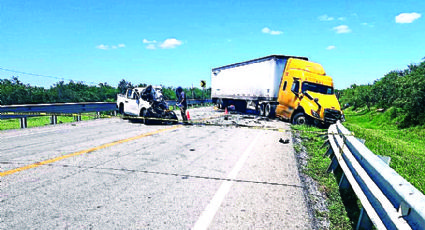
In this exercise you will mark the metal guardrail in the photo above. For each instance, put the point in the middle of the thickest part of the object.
(32, 110)
(59, 108)
(390, 202)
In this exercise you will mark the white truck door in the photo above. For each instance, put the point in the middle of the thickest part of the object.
(134, 102)
(131, 106)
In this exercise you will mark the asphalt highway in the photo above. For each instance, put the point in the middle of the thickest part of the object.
(117, 174)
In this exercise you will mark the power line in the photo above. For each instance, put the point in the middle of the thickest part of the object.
(47, 76)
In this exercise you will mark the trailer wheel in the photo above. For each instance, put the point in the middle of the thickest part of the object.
(269, 110)
(261, 107)
(299, 119)
(220, 104)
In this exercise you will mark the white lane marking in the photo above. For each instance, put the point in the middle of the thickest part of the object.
(208, 214)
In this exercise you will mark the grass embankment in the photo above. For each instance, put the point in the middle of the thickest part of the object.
(406, 147)
(40, 121)
(343, 213)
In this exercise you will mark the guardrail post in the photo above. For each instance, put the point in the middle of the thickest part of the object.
(53, 120)
(333, 166)
(364, 221)
(77, 117)
(343, 182)
(23, 122)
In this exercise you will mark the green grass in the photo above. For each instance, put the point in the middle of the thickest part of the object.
(343, 213)
(7, 124)
(406, 147)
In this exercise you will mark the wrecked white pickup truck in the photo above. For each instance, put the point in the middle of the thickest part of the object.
(147, 104)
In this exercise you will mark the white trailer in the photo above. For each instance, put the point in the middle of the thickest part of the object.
(248, 84)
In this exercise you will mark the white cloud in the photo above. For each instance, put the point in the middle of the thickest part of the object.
(266, 30)
(325, 17)
(330, 47)
(170, 43)
(145, 41)
(342, 29)
(102, 47)
(107, 47)
(407, 17)
(341, 18)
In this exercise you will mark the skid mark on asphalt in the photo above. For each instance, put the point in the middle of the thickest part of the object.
(49, 161)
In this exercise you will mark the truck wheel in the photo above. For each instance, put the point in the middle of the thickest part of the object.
(269, 110)
(261, 108)
(299, 119)
(219, 103)
(121, 109)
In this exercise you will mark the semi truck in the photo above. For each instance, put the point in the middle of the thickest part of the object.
(287, 87)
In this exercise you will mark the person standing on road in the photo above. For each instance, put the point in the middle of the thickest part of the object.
(182, 102)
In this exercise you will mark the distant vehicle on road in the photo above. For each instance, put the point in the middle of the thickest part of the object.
(147, 103)
(288, 87)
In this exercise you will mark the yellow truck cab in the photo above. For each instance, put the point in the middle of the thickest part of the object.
(306, 95)
(288, 87)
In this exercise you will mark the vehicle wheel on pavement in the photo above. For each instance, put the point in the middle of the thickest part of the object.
(299, 119)
(121, 109)
(261, 107)
(219, 103)
(269, 110)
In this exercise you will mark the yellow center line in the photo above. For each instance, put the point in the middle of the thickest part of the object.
(49, 161)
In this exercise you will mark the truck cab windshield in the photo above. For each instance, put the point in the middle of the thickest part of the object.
(323, 89)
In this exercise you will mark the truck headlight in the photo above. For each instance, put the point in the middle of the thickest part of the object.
(315, 114)
(342, 118)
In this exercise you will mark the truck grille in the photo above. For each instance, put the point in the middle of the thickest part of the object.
(331, 116)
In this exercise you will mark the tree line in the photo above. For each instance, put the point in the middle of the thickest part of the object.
(13, 92)
(400, 92)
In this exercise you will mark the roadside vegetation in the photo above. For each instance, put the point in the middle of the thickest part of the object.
(406, 146)
(402, 92)
(14, 92)
(390, 115)
(341, 213)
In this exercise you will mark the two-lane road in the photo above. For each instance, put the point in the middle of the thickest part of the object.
(114, 174)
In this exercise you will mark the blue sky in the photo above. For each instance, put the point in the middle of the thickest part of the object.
(178, 42)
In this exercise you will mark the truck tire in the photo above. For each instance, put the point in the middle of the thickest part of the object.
(121, 109)
(299, 119)
(261, 109)
(220, 103)
(269, 110)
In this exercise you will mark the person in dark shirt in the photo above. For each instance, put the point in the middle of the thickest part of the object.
(182, 102)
